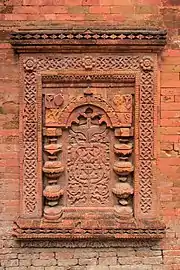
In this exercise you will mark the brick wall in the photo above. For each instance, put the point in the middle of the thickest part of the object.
(29, 13)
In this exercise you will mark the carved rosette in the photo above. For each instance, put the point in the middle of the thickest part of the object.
(29, 63)
(88, 62)
(53, 101)
(146, 63)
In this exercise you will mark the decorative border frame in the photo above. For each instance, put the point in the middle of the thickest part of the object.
(33, 67)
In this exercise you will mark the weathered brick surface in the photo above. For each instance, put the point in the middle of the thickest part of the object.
(164, 255)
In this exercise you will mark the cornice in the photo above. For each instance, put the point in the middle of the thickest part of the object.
(152, 39)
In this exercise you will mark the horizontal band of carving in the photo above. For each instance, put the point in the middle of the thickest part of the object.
(89, 77)
(89, 35)
(88, 62)
(80, 243)
(154, 230)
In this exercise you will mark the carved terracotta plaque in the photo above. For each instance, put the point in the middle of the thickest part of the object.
(88, 140)
(94, 171)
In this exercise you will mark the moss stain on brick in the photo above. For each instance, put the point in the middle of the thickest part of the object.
(2, 111)
(153, 9)
(6, 9)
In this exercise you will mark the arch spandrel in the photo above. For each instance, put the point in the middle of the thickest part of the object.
(61, 116)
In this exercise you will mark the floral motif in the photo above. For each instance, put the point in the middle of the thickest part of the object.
(146, 63)
(88, 62)
(29, 63)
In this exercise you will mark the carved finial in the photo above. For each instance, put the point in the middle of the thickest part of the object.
(88, 92)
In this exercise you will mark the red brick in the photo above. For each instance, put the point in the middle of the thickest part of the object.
(170, 114)
(27, 9)
(170, 138)
(171, 83)
(70, 17)
(146, 2)
(51, 2)
(166, 197)
(171, 106)
(31, 2)
(13, 2)
(174, 60)
(99, 9)
(108, 260)
(90, 2)
(5, 46)
(73, 2)
(146, 9)
(10, 263)
(53, 9)
(177, 146)
(68, 262)
(50, 17)
(78, 10)
(12, 132)
(35, 17)
(88, 261)
(173, 161)
(47, 255)
(2, 17)
(171, 122)
(106, 2)
(43, 262)
(170, 91)
(12, 163)
(172, 260)
(114, 18)
(115, 2)
(177, 98)
(11, 155)
(123, 2)
(16, 17)
(170, 68)
(170, 130)
(58, 2)
(125, 10)
(94, 17)
(170, 52)
(63, 255)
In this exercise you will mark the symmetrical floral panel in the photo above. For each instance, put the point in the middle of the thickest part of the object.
(88, 134)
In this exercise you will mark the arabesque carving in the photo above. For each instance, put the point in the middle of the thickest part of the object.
(88, 165)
